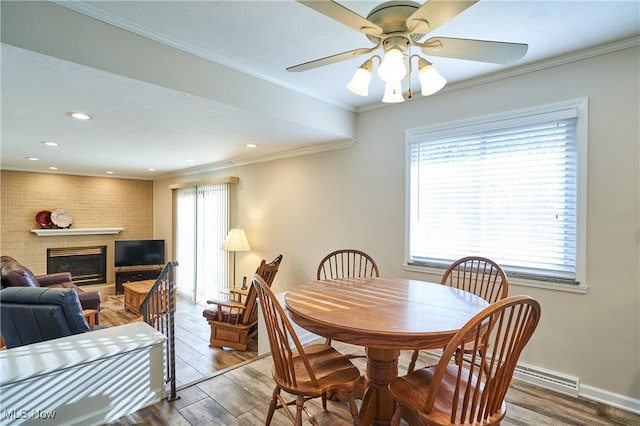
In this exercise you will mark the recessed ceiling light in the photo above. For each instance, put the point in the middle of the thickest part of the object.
(53, 168)
(49, 143)
(190, 160)
(80, 115)
(251, 145)
(151, 170)
(32, 158)
(109, 172)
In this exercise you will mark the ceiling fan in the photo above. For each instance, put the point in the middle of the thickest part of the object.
(395, 26)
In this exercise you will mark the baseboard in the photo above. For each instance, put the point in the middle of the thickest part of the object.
(609, 398)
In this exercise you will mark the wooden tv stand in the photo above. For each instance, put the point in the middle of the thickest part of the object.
(135, 274)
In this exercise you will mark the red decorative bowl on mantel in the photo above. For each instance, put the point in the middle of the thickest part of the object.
(43, 219)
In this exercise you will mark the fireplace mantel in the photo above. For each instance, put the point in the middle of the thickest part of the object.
(75, 231)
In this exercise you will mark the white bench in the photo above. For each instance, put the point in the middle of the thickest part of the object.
(85, 379)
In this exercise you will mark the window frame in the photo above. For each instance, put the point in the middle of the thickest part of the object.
(463, 126)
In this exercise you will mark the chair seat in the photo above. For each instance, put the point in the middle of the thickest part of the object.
(413, 390)
(212, 314)
(332, 370)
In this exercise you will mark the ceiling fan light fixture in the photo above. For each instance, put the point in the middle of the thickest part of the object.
(392, 67)
(398, 26)
(359, 84)
(393, 92)
(430, 79)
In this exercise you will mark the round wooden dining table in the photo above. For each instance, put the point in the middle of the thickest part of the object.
(385, 315)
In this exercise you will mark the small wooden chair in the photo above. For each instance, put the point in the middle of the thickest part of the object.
(450, 393)
(478, 275)
(306, 372)
(234, 322)
(347, 263)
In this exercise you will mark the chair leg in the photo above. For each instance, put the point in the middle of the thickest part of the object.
(353, 407)
(299, 407)
(412, 364)
(395, 420)
(272, 406)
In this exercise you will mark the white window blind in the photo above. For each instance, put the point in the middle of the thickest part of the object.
(506, 190)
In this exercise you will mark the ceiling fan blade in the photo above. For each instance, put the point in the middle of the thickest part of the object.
(331, 59)
(496, 52)
(343, 15)
(434, 13)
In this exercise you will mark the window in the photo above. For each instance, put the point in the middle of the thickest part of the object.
(509, 187)
(201, 225)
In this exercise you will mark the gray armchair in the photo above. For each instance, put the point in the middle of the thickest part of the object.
(35, 314)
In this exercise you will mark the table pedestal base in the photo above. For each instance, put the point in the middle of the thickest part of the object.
(377, 404)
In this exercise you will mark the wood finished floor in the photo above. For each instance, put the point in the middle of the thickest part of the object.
(195, 360)
(240, 396)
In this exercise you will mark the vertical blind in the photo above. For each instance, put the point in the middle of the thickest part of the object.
(506, 191)
(185, 231)
(201, 226)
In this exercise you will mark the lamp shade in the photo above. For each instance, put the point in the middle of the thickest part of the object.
(236, 241)
(393, 92)
(359, 84)
(430, 79)
(392, 67)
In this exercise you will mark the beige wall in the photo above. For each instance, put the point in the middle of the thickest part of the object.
(304, 207)
(94, 203)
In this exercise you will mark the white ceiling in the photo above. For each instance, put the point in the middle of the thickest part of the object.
(157, 107)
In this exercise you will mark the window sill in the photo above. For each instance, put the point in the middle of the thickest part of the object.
(513, 281)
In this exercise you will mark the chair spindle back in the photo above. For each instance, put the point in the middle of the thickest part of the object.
(347, 263)
(267, 271)
(478, 275)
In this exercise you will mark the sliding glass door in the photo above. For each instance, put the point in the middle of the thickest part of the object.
(202, 222)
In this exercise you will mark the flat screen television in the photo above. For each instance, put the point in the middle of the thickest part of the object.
(138, 252)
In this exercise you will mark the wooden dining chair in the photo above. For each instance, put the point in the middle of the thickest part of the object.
(347, 263)
(306, 372)
(470, 393)
(475, 274)
(234, 321)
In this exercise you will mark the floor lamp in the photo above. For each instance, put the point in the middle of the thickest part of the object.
(236, 241)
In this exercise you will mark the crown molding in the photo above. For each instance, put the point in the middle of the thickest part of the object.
(223, 165)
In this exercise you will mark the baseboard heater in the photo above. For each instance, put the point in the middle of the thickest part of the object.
(537, 376)
(564, 384)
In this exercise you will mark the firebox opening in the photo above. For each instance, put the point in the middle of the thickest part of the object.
(87, 265)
